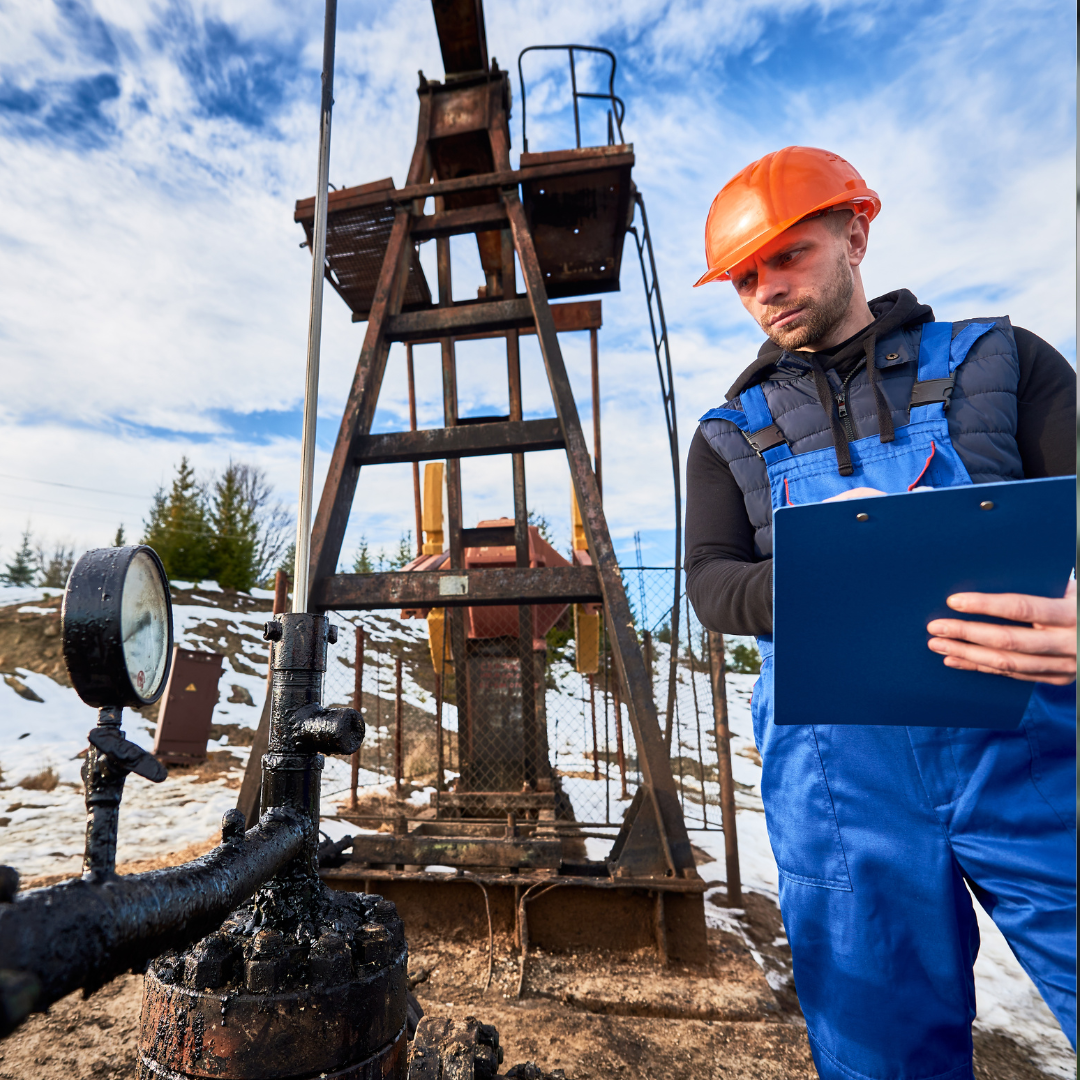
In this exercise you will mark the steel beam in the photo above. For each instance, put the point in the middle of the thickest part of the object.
(472, 440)
(473, 316)
(652, 753)
(458, 588)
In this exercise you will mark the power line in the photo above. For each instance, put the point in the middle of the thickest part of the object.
(75, 487)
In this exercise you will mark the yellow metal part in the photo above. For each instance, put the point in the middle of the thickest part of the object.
(586, 640)
(433, 508)
(438, 641)
(579, 543)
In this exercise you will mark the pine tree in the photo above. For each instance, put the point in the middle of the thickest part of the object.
(178, 529)
(362, 561)
(119, 540)
(405, 552)
(236, 529)
(21, 571)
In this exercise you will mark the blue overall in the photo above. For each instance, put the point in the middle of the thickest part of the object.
(880, 832)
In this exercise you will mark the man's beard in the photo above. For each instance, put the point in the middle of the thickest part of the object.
(818, 316)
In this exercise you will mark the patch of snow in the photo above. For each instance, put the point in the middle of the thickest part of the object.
(29, 609)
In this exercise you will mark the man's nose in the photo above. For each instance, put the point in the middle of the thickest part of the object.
(771, 288)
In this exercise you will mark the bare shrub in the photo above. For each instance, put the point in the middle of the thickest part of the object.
(45, 780)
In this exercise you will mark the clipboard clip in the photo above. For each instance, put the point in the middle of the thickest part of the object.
(933, 391)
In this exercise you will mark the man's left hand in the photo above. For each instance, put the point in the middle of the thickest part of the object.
(1045, 651)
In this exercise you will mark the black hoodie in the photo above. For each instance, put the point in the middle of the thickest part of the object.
(731, 589)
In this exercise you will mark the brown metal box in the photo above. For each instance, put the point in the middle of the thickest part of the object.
(187, 706)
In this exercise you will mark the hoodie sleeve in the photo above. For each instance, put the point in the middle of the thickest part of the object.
(730, 590)
(1046, 408)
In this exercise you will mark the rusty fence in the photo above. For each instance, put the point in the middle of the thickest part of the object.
(581, 747)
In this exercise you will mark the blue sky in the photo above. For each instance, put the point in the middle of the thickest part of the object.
(153, 294)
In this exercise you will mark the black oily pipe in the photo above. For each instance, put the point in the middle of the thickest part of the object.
(84, 932)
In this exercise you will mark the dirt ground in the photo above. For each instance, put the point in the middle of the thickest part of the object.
(591, 1015)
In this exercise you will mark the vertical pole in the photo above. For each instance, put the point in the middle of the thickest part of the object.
(594, 348)
(397, 728)
(416, 464)
(618, 737)
(455, 616)
(573, 91)
(440, 775)
(595, 746)
(358, 705)
(723, 767)
(318, 263)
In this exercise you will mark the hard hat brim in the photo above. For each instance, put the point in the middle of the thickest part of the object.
(862, 195)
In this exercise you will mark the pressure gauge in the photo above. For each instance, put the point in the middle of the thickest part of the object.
(117, 627)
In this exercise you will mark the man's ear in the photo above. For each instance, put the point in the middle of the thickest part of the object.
(858, 236)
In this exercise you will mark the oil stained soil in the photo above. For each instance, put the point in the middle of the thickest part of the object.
(593, 1015)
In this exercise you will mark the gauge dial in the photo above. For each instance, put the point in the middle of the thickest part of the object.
(144, 625)
(117, 627)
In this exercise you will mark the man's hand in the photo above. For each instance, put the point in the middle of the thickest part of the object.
(1043, 652)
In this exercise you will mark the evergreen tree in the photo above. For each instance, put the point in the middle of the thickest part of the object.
(178, 529)
(362, 561)
(405, 553)
(288, 560)
(21, 571)
(232, 516)
(119, 540)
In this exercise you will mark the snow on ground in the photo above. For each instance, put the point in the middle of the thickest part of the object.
(42, 831)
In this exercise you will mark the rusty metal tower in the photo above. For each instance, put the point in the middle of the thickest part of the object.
(565, 215)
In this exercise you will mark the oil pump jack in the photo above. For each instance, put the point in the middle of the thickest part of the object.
(254, 967)
(564, 215)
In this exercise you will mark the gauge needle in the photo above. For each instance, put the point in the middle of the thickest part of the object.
(140, 624)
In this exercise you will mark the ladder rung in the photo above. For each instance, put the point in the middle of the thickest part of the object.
(470, 440)
(457, 588)
(488, 536)
(465, 318)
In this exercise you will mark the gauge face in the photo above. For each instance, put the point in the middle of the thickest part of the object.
(117, 627)
(144, 625)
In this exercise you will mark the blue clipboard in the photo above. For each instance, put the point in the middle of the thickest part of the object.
(851, 599)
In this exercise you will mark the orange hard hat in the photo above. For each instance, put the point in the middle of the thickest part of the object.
(772, 194)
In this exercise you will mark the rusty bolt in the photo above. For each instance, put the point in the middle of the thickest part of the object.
(9, 884)
(384, 911)
(272, 631)
(330, 960)
(373, 944)
(233, 824)
(168, 968)
(208, 964)
(268, 944)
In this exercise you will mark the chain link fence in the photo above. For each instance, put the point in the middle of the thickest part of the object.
(471, 737)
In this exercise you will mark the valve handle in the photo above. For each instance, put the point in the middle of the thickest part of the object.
(127, 755)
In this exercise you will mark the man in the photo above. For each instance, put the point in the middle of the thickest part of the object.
(880, 832)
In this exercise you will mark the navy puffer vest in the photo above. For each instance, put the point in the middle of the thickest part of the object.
(981, 415)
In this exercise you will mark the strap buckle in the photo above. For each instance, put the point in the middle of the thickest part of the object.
(764, 439)
(933, 391)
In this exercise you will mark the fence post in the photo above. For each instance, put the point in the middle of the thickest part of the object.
(723, 767)
(358, 705)
(397, 727)
(595, 746)
(618, 737)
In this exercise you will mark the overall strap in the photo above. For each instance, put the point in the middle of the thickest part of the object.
(763, 434)
(940, 354)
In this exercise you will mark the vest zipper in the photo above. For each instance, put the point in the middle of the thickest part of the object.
(841, 405)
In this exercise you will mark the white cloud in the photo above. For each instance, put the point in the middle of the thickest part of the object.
(155, 278)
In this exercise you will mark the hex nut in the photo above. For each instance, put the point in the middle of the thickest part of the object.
(208, 964)
(233, 824)
(272, 631)
(373, 944)
(331, 634)
(330, 960)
